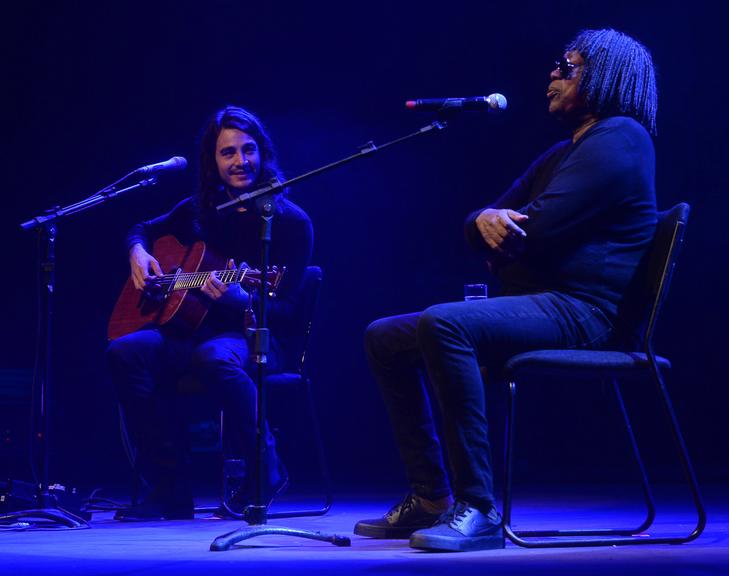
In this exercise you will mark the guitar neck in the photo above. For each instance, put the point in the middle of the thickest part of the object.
(190, 280)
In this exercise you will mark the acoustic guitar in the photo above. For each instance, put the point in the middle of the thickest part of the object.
(173, 297)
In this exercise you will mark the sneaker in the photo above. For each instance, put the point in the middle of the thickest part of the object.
(462, 528)
(400, 522)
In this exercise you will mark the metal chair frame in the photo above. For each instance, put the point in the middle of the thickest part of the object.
(672, 221)
(312, 287)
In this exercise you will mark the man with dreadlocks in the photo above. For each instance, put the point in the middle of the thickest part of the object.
(565, 240)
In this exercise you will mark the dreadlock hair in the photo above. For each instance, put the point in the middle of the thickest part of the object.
(239, 119)
(618, 78)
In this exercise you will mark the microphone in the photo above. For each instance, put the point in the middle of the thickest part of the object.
(492, 103)
(172, 165)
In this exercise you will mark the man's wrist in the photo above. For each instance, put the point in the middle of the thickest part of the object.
(136, 248)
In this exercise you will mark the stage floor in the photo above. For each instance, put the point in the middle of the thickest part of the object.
(182, 547)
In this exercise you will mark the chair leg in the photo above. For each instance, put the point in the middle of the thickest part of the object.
(508, 460)
(566, 538)
(683, 455)
(324, 469)
(321, 456)
(131, 453)
(645, 485)
(217, 508)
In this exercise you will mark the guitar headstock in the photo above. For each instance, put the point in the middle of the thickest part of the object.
(252, 278)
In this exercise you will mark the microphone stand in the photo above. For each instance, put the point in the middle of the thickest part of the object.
(45, 499)
(257, 514)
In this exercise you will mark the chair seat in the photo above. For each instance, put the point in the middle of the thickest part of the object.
(576, 363)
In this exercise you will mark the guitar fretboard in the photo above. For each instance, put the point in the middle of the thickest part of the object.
(189, 280)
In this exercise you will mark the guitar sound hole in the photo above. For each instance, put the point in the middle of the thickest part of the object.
(153, 294)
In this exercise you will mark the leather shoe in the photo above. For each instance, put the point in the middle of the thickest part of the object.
(400, 521)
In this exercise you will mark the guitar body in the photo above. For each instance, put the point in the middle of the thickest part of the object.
(186, 308)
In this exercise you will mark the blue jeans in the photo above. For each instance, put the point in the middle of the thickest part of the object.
(146, 367)
(450, 343)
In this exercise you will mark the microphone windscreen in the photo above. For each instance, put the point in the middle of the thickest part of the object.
(497, 101)
(178, 163)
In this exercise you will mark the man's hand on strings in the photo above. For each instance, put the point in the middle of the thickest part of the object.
(144, 266)
(232, 295)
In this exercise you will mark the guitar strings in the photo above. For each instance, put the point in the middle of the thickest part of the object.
(197, 279)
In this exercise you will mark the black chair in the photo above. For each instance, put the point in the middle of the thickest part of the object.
(649, 292)
(293, 380)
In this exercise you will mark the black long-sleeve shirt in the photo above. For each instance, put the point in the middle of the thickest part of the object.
(237, 235)
(592, 215)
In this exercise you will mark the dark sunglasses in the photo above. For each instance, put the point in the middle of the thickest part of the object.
(566, 68)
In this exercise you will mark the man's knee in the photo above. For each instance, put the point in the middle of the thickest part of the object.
(128, 367)
(121, 353)
(212, 358)
(380, 337)
(134, 351)
(434, 322)
(376, 332)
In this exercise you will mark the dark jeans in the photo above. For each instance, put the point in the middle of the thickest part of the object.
(450, 342)
(146, 367)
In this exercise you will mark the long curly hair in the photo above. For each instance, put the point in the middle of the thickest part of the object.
(618, 78)
(239, 119)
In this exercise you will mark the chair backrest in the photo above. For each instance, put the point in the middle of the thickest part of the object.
(652, 280)
(300, 324)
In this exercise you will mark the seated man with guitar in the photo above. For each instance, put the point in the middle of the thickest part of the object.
(181, 314)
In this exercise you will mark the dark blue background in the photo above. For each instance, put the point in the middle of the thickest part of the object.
(93, 90)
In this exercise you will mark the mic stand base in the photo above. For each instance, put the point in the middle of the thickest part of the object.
(55, 515)
(257, 514)
(21, 502)
(44, 502)
(227, 541)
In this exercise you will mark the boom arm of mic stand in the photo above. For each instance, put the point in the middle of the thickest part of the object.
(257, 514)
(100, 197)
(275, 186)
